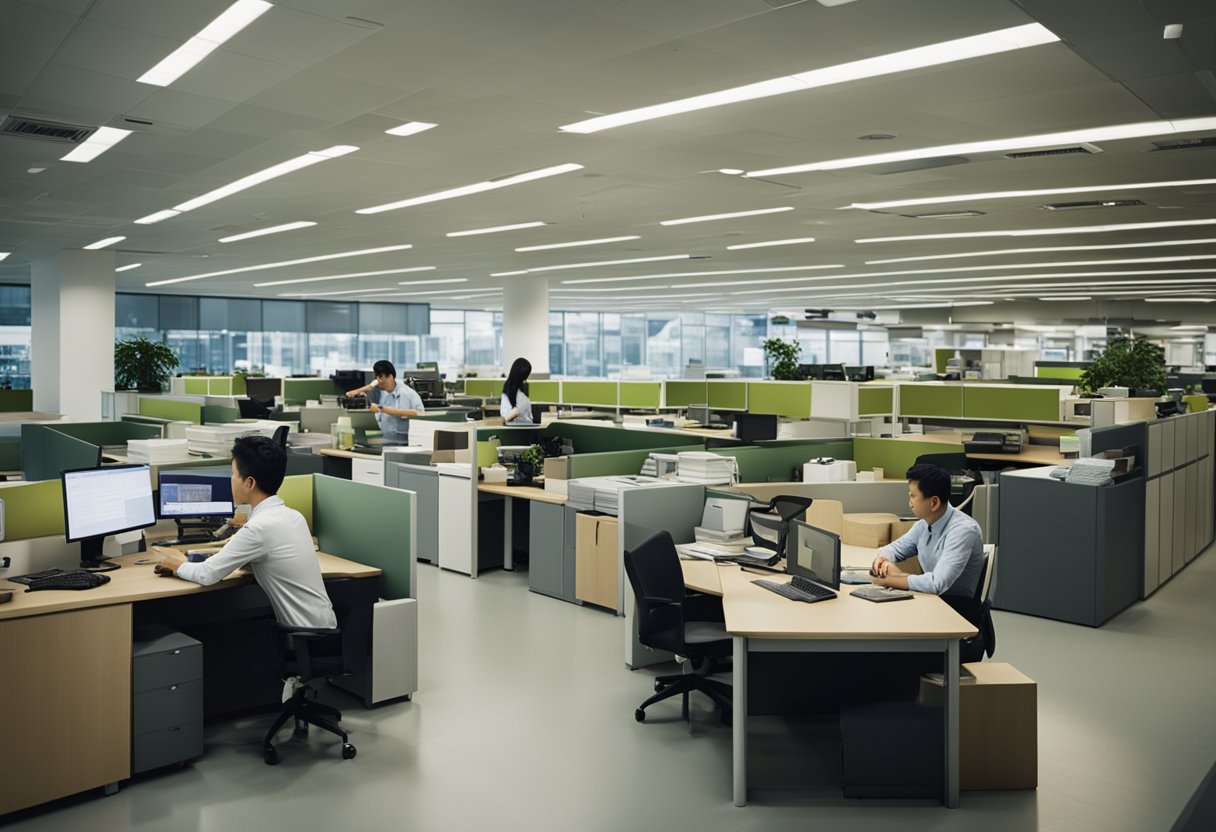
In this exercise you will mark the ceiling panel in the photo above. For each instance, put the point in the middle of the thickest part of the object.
(73, 87)
(43, 30)
(402, 60)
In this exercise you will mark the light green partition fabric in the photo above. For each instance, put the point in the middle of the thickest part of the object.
(196, 386)
(872, 400)
(618, 462)
(777, 463)
(728, 395)
(296, 492)
(214, 414)
(641, 394)
(301, 390)
(593, 439)
(1025, 403)
(1066, 373)
(683, 393)
(941, 356)
(1195, 404)
(341, 509)
(171, 409)
(548, 392)
(33, 509)
(931, 400)
(220, 386)
(16, 401)
(791, 399)
(238, 385)
(895, 456)
(602, 393)
(676, 509)
(487, 388)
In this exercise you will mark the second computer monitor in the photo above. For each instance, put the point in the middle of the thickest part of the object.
(754, 427)
(699, 413)
(813, 553)
(202, 492)
(103, 501)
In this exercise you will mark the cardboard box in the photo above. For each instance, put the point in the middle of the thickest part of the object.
(842, 470)
(827, 515)
(998, 726)
(596, 571)
(900, 527)
(451, 446)
(869, 530)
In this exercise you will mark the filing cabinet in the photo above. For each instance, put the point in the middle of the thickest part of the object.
(166, 698)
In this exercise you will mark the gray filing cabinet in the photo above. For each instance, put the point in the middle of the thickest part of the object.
(423, 480)
(551, 550)
(166, 698)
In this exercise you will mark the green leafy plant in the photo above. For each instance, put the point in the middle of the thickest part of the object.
(1126, 362)
(534, 456)
(782, 358)
(140, 364)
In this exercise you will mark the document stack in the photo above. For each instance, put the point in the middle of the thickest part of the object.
(216, 440)
(660, 465)
(706, 469)
(157, 451)
(722, 523)
(580, 494)
(603, 494)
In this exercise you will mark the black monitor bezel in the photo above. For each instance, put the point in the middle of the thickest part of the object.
(63, 480)
(791, 565)
(157, 501)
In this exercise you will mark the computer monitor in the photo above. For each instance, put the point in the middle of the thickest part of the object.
(834, 372)
(98, 502)
(754, 427)
(813, 553)
(699, 413)
(195, 492)
(253, 408)
(811, 371)
(859, 373)
(361, 421)
(264, 389)
(318, 419)
(428, 365)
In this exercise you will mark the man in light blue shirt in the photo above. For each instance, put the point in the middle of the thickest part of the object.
(392, 401)
(949, 543)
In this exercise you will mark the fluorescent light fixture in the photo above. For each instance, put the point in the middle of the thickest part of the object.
(702, 274)
(1189, 328)
(1172, 31)
(168, 213)
(1068, 297)
(344, 276)
(235, 18)
(576, 243)
(508, 274)
(1179, 300)
(791, 242)
(1088, 189)
(1042, 250)
(1112, 132)
(989, 43)
(730, 216)
(1035, 232)
(410, 128)
(950, 305)
(40, 170)
(4, 254)
(272, 172)
(428, 282)
(262, 232)
(126, 268)
(494, 229)
(610, 263)
(108, 241)
(732, 171)
(475, 188)
(1012, 278)
(282, 264)
(341, 292)
(103, 139)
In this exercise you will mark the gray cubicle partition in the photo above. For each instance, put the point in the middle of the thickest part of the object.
(423, 480)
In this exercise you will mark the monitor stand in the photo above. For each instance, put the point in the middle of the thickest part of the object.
(92, 559)
(195, 531)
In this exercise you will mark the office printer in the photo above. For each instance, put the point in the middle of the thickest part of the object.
(359, 402)
(994, 442)
(428, 384)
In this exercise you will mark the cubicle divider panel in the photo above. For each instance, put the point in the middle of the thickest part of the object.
(16, 401)
(1064, 373)
(341, 509)
(644, 394)
(106, 433)
(727, 395)
(596, 439)
(171, 409)
(10, 453)
(487, 388)
(544, 391)
(610, 463)
(943, 400)
(196, 386)
(300, 390)
(895, 456)
(678, 393)
(296, 492)
(791, 399)
(875, 400)
(216, 415)
(1027, 403)
(595, 393)
(46, 453)
(778, 461)
(33, 509)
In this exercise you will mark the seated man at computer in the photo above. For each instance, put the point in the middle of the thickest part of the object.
(274, 542)
(392, 401)
(948, 542)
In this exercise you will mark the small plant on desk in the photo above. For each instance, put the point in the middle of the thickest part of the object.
(529, 463)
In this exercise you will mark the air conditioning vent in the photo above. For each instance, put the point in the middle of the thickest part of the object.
(1054, 151)
(1092, 203)
(48, 130)
(1184, 144)
(944, 215)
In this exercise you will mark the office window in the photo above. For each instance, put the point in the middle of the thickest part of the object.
(556, 343)
(331, 351)
(610, 342)
(663, 345)
(178, 312)
(844, 347)
(814, 346)
(332, 316)
(692, 339)
(875, 348)
(583, 344)
(633, 340)
(137, 311)
(483, 339)
(446, 344)
(717, 341)
(14, 305)
(283, 316)
(748, 333)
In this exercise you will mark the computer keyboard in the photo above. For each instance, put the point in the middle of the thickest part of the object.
(804, 591)
(68, 580)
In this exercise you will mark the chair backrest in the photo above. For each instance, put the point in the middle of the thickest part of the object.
(984, 590)
(954, 463)
(653, 569)
(280, 435)
(775, 519)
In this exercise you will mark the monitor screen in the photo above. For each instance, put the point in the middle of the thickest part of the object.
(752, 427)
(834, 372)
(363, 420)
(195, 493)
(263, 389)
(103, 501)
(813, 553)
(699, 413)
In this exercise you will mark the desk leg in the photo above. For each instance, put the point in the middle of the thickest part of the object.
(739, 720)
(951, 715)
(508, 519)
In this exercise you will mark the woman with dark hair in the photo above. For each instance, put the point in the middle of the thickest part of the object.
(515, 407)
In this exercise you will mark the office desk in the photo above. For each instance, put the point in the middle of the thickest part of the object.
(509, 493)
(67, 674)
(29, 416)
(762, 621)
(1029, 455)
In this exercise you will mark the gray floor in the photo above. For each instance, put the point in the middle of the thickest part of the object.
(525, 721)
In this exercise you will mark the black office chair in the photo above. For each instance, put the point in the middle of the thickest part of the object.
(956, 464)
(280, 435)
(977, 609)
(309, 654)
(689, 624)
(770, 524)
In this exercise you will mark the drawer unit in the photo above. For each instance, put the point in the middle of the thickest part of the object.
(370, 471)
(167, 698)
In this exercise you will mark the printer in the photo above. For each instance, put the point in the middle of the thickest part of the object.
(994, 442)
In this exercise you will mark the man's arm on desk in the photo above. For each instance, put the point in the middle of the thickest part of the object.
(244, 547)
(902, 548)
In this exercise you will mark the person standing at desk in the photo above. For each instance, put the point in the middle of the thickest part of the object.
(394, 403)
(948, 542)
(274, 542)
(515, 407)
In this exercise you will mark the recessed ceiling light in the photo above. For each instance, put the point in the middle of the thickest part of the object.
(108, 241)
(599, 263)
(272, 172)
(345, 276)
(1035, 232)
(166, 214)
(103, 139)
(4, 254)
(989, 43)
(1041, 250)
(1068, 297)
(128, 268)
(1113, 132)
(730, 216)
(577, 243)
(1172, 31)
(508, 274)
(494, 229)
(235, 18)
(340, 292)
(35, 170)
(410, 128)
(732, 171)
(282, 264)
(475, 188)
(1179, 300)
(1035, 192)
(702, 274)
(791, 242)
(262, 232)
(1189, 328)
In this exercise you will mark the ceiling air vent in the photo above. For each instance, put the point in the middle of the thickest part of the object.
(944, 215)
(1184, 144)
(48, 130)
(1092, 203)
(1054, 151)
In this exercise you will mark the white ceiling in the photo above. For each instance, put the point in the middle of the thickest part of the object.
(499, 78)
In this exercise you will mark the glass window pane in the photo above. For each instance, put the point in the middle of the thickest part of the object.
(663, 345)
(383, 318)
(418, 319)
(137, 311)
(844, 347)
(332, 316)
(178, 312)
(283, 316)
(583, 344)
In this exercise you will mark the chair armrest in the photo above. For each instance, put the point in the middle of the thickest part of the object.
(658, 601)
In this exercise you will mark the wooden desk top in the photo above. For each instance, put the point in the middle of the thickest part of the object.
(29, 416)
(346, 454)
(524, 492)
(138, 582)
(1029, 455)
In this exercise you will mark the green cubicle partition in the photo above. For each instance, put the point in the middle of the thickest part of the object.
(896, 456)
(46, 453)
(544, 391)
(791, 399)
(778, 462)
(1027, 403)
(296, 492)
(679, 393)
(595, 439)
(487, 388)
(194, 385)
(106, 433)
(214, 414)
(16, 401)
(33, 509)
(942, 356)
(1064, 373)
(341, 509)
(930, 399)
(647, 394)
(727, 395)
(875, 400)
(10, 453)
(595, 393)
(174, 410)
(297, 391)
(619, 462)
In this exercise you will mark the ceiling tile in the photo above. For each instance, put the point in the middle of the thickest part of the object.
(73, 87)
(180, 108)
(42, 30)
(318, 95)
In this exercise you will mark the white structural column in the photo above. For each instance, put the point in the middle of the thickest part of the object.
(72, 323)
(525, 322)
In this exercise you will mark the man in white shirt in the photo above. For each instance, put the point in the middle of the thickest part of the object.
(394, 402)
(274, 543)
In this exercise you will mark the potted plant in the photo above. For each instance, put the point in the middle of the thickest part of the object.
(1134, 363)
(529, 463)
(782, 359)
(140, 364)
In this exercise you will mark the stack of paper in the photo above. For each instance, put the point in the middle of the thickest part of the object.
(660, 465)
(156, 451)
(706, 468)
(580, 494)
(216, 440)
(603, 493)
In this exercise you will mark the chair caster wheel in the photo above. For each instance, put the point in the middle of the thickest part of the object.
(639, 715)
(348, 751)
(271, 756)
